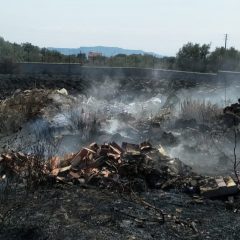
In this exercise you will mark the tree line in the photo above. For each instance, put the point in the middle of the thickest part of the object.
(191, 57)
(26, 52)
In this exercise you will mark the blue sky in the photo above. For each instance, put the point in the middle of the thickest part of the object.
(161, 26)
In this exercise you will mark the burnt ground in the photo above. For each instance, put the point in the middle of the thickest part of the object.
(11, 83)
(73, 212)
(76, 84)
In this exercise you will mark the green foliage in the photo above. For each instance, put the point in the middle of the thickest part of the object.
(224, 59)
(26, 52)
(193, 57)
(197, 58)
(134, 60)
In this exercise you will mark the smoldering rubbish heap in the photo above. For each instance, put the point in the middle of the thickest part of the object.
(131, 167)
(83, 161)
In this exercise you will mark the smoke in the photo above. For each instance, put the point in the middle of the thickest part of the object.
(105, 90)
(217, 94)
(110, 112)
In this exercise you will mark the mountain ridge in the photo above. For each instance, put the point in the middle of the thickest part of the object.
(106, 51)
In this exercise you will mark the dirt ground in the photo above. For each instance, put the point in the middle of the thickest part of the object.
(73, 212)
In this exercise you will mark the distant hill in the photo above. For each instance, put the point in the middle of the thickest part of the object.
(106, 51)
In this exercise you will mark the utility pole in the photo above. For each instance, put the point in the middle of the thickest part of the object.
(226, 39)
(225, 46)
(80, 54)
(69, 62)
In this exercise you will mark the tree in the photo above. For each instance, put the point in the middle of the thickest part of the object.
(167, 62)
(28, 48)
(224, 59)
(43, 54)
(82, 58)
(193, 57)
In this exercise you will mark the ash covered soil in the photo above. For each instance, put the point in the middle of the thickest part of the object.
(190, 124)
(74, 212)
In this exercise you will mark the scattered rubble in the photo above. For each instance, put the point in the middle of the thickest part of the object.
(126, 168)
(216, 187)
(107, 165)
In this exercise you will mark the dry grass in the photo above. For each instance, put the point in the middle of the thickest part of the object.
(202, 111)
(85, 123)
(22, 172)
(17, 109)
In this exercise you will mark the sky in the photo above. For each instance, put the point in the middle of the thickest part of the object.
(160, 26)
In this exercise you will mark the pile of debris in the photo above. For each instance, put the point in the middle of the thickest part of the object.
(234, 108)
(231, 115)
(107, 165)
(131, 167)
